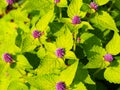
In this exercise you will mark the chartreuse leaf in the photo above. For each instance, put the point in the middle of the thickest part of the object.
(95, 62)
(93, 49)
(43, 82)
(82, 75)
(22, 62)
(95, 57)
(30, 5)
(68, 74)
(44, 21)
(18, 15)
(7, 74)
(74, 8)
(101, 2)
(85, 25)
(80, 86)
(50, 47)
(16, 85)
(3, 4)
(55, 65)
(113, 46)
(62, 3)
(7, 37)
(112, 73)
(4, 77)
(70, 55)
(103, 20)
(41, 52)
(66, 40)
(28, 43)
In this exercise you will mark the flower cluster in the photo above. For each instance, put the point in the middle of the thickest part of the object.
(60, 86)
(108, 57)
(37, 34)
(93, 5)
(76, 20)
(56, 1)
(10, 1)
(7, 57)
(60, 52)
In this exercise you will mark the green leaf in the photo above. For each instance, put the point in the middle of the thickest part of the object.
(74, 8)
(101, 2)
(66, 40)
(45, 20)
(112, 73)
(80, 86)
(117, 4)
(68, 74)
(103, 20)
(113, 46)
(16, 85)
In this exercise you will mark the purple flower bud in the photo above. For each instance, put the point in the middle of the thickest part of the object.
(36, 34)
(60, 86)
(93, 5)
(76, 20)
(7, 57)
(56, 1)
(108, 57)
(78, 40)
(60, 52)
(10, 1)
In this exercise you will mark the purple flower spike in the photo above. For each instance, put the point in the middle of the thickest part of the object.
(108, 57)
(60, 86)
(56, 1)
(36, 34)
(76, 20)
(10, 2)
(7, 57)
(60, 52)
(93, 5)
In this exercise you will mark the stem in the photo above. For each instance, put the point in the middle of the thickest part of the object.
(60, 10)
(97, 71)
(74, 39)
(111, 6)
(40, 42)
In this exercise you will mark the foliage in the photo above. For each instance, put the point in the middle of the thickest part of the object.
(35, 65)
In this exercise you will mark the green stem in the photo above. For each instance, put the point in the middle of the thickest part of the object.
(97, 71)
(74, 39)
(40, 42)
(60, 10)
